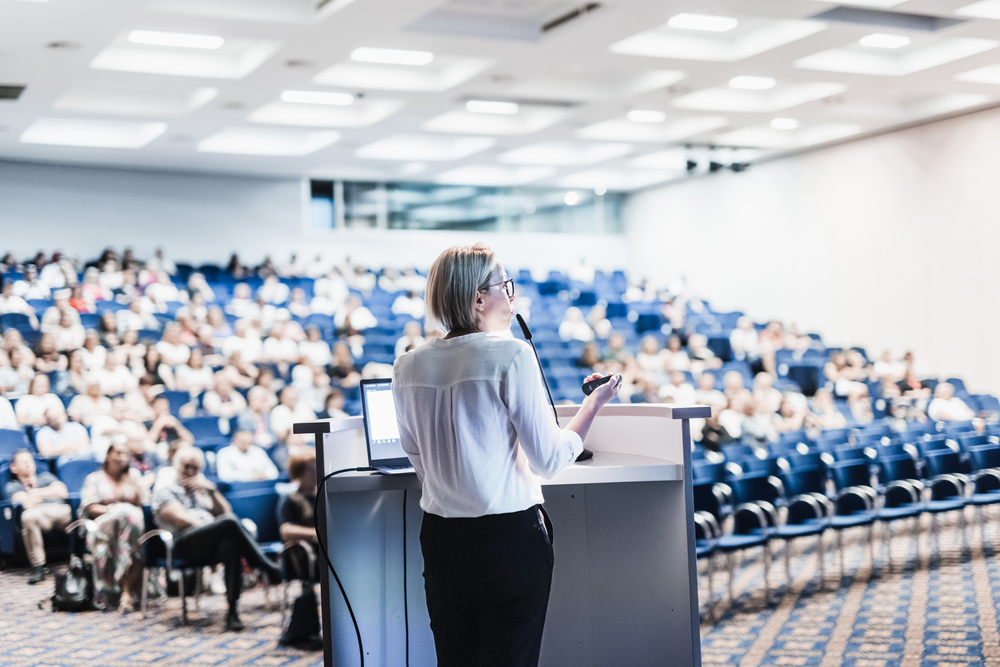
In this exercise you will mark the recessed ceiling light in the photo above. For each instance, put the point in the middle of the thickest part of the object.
(178, 39)
(881, 40)
(367, 54)
(752, 82)
(785, 124)
(646, 116)
(600, 190)
(316, 97)
(571, 198)
(703, 22)
(485, 106)
(91, 133)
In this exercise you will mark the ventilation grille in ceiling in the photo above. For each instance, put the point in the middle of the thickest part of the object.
(521, 20)
(883, 19)
(569, 16)
(10, 92)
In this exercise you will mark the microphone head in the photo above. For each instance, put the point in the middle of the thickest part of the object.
(524, 327)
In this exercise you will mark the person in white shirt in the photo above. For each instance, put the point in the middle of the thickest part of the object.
(30, 408)
(91, 404)
(11, 303)
(279, 348)
(574, 327)
(243, 461)
(136, 317)
(288, 412)
(745, 341)
(314, 351)
(115, 377)
(53, 274)
(477, 453)
(411, 339)
(194, 377)
(69, 334)
(677, 390)
(249, 346)
(162, 291)
(354, 318)
(172, 351)
(8, 420)
(298, 306)
(93, 352)
(54, 313)
(29, 287)
(62, 439)
(329, 293)
(946, 406)
(408, 303)
(224, 401)
(274, 291)
(242, 301)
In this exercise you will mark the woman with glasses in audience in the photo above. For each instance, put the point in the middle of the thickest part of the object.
(475, 423)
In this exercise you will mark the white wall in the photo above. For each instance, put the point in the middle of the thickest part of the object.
(204, 218)
(886, 242)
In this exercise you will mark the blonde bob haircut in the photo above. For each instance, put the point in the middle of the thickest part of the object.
(453, 283)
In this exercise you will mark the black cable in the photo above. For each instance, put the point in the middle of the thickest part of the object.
(527, 337)
(322, 538)
(406, 610)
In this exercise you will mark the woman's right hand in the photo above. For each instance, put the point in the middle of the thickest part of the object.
(606, 391)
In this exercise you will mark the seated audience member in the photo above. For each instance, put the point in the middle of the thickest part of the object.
(62, 439)
(765, 393)
(745, 341)
(31, 407)
(409, 303)
(343, 368)
(288, 412)
(575, 327)
(171, 349)
(77, 375)
(11, 303)
(208, 346)
(598, 320)
(674, 357)
(296, 522)
(162, 291)
(731, 418)
(861, 406)
(13, 340)
(249, 346)
(243, 461)
(791, 414)
(93, 290)
(677, 390)
(770, 340)
(204, 530)
(194, 377)
(298, 306)
(242, 302)
(759, 424)
(107, 327)
(911, 386)
(112, 498)
(314, 351)
(279, 348)
(218, 324)
(846, 373)
(272, 384)
(15, 374)
(88, 405)
(166, 429)
(93, 352)
(78, 303)
(47, 357)
(353, 318)
(198, 284)
(713, 434)
(615, 355)
(707, 394)
(155, 366)
(117, 426)
(69, 335)
(825, 414)
(8, 420)
(135, 317)
(223, 400)
(313, 385)
(43, 498)
(30, 287)
(700, 355)
(411, 339)
(590, 357)
(257, 418)
(946, 406)
(52, 315)
(273, 291)
(888, 369)
(334, 405)
(115, 377)
(650, 356)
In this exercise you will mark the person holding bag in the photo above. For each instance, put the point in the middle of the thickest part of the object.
(474, 421)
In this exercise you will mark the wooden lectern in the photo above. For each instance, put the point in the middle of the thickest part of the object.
(624, 584)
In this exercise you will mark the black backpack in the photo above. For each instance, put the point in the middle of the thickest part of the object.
(75, 589)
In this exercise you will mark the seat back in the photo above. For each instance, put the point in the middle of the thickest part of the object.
(73, 473)
(804, 480)
(261, 508)
(851, 473)
(956, 426)
(894, 468)
(738, 451)
(705, 499)
(849, 453)
(969, 441)
(12, 440)
(810, 460)
(177, 399)
(932, 444)
(985, 457)
(750, 488)
(943, 462)
(706, 471)
(753, 464)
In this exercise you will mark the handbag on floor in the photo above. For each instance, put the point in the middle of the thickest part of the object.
(303, 627)
(75, 588)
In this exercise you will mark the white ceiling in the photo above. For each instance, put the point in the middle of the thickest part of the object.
(221, 110)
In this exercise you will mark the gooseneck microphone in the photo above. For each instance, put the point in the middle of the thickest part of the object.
(527, 337)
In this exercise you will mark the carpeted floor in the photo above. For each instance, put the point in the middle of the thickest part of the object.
(937, 606)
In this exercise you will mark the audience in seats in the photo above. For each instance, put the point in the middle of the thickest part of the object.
(62, 439)
(113, 497)
(32, 407)
(204, 530)
(243, 461)
(946, 406)
(43, 498)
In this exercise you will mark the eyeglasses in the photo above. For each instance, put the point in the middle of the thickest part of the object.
(508, 286)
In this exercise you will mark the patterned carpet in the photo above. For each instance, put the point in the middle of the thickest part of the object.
(937, 606)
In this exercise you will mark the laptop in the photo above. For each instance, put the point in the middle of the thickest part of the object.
(385, 448)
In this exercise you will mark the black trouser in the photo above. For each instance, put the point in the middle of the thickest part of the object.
(223, 541)
(487, 582)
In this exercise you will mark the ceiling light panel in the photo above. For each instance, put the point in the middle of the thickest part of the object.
(988, 9)
(562, 153)
(677, 129)
(176, 39)
(423, 148)
(488, 106)
(784, 124)
(752, 82)
(317, 97)
(268, 11)
(989, 74)
(672, 159)
(527, 120)
(368, 54)
(133, 98)
(703, 22)
(234, 59)
(621, 180)
(870, 61)
(881, 40)
(646, 116)
(91, 133)
(363, 113)
(270, 142)
(786, 96)
(755, 37)
(443, 73)
(575, 86)
(493, 175)
(767, 137)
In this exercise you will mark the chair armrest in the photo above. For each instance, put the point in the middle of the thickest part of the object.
(862, 492)
(808, 499)
(706, 528)
(907, 486)
(251, 527)
(723, 493)
(951, 479)
(757, 511)
(90, 526)
(986, 472)
(713, 525)
(824, 501)
(778, 485)
(168, 542)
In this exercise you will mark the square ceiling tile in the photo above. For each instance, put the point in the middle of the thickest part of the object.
(236, 58)
(423, 148)
(575, 86)
(855, 59)
(673, 129)
(442, 73)
(265, 11)
(267, 141)
(133, 98)
(989, 74)
(91, 133)
(766, 137)
(492, 175)
(752, 37)
(564, 153)
(782, 96)
(528, 119)
(360, 113)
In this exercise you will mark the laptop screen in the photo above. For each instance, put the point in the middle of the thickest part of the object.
(381, 430)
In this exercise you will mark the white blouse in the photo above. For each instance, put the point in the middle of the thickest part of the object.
(475, 423)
